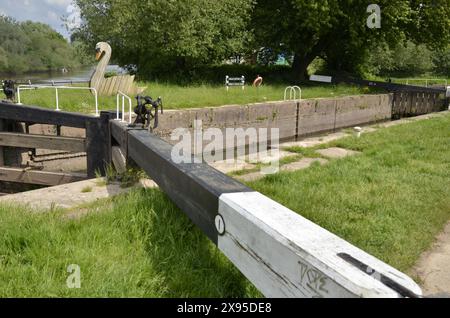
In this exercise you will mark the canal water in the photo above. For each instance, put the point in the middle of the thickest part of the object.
(76, 75)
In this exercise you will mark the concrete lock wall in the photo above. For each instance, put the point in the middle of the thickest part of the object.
(293, 119)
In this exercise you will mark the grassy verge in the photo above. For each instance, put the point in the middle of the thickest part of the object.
(178, 97)
(391, 201)
(137, 245)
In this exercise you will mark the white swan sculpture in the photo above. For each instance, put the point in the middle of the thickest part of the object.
(111, 85)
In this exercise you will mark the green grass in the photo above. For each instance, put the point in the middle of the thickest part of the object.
(136, 245)
(86, 189)
(179, 97)
(391, 201)
(304, 152)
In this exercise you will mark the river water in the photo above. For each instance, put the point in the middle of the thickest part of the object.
(77, 75)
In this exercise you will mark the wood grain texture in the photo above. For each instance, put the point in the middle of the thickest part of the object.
(38, 177)
(111, 85)
(286, 255)
(42, 142)
(33, 114)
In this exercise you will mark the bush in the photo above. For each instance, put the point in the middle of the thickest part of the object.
(402, 60)
(442, 62)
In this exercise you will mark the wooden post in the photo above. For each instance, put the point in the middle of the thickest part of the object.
(98, 144)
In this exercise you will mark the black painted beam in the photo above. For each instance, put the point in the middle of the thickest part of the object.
(194, 188)
(98, 144)
(38, 115)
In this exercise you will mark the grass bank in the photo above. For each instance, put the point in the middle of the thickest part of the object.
(178, 97)
(137, 245)
(391, 201)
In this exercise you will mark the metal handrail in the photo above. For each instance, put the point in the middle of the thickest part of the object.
(427, 80)
(293, 93)
(124, 96)
(56, 88)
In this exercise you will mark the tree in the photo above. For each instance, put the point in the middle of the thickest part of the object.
(401, 60)
(442, 61)
(31, 46)
(336, 29)
(166, 36)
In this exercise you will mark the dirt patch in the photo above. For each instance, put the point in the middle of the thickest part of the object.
(433, 267)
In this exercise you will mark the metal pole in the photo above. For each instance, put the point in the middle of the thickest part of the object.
(96, 101)
(117, 107)
(123, 108)
(57, 99)
(18, 96)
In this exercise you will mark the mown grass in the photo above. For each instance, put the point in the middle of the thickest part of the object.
(179, 97)
(391, 201)
(136, 245)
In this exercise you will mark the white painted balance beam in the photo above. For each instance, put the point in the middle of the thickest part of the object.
(286, 255)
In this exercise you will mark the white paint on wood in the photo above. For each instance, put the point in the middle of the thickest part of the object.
(320, 78)
(286, 255)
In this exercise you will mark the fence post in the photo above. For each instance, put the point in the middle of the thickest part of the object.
(98, 144)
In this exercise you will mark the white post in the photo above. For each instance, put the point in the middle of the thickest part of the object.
(227, 82)
(96, 101)
(117, 107)
(18, 96)
(123, 108)
(57, 99)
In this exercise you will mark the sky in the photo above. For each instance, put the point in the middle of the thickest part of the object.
(47, 11)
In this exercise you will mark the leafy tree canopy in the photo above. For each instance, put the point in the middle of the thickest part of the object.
(176, 35)
(337, 29)
(166, 34)
(31, 46)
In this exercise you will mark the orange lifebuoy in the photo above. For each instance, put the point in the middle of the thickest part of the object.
(258, 81)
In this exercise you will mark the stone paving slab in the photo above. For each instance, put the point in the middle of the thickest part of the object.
(315, 141)
(70, 195)
(336, 153)
(269, 156)
(237, 165)
(302, 164)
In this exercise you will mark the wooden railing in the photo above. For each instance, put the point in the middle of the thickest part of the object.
(96, 144)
